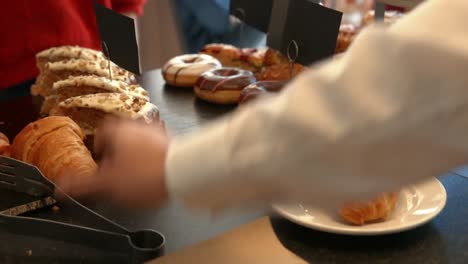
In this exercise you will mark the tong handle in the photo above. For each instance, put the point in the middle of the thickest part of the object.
(143, 240)
(85, 236)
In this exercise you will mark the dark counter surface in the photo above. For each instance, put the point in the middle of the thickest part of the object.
(444, 240)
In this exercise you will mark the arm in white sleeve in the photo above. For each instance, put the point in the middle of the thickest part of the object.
(392, 111)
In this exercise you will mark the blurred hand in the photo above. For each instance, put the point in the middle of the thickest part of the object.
(131, 171)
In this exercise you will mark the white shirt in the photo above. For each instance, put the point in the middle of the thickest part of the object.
(392, 111)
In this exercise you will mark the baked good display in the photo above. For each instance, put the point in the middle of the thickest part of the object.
(260, 88)
(60, 70)
(90, 84)
(54, 145)
(66, 53)
(88, 111)
(378, 209)
(223, 86)
(184, 70)
(280, 72)
(5, 148)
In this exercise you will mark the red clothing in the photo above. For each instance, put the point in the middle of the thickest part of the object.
(28, 27)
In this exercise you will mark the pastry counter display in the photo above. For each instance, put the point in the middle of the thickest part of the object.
(220, 72)
(437, 242)
(77, 88)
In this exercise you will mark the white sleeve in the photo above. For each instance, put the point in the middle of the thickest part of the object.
(393, 110)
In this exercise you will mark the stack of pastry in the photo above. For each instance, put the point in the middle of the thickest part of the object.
(54, 145)
(63, 53)
(89, 110)
(60, 70)
(82, 84)
(88, 84)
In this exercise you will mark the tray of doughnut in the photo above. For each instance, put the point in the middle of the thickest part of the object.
(220, 73)
(224, 74)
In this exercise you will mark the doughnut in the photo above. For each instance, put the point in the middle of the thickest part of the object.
(248, 59)
(280, 72)
(257, 89)
(226, 54)
(184, 70)
(223, 86)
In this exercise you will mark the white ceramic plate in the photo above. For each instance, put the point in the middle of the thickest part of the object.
(416, 205)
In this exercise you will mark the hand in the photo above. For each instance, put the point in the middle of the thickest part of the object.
(131, 171)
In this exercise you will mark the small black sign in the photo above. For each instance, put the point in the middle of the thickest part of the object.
(255, 13)
(314, 28)
(118, 33)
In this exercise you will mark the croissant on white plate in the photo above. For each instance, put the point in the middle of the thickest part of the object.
(377, 209)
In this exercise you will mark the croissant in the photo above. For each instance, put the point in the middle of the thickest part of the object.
(4, 145)
(377, 209)
(54, 145)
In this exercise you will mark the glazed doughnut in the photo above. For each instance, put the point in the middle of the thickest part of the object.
(280, 72)
(257, 89)
(226, 54)
(223, 86)
(248, 59)
(254, 57)
(184, 70)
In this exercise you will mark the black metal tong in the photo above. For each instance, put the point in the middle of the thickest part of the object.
(86, 227)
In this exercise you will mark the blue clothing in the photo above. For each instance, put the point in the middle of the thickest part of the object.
(208, 21)
(202, 21)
